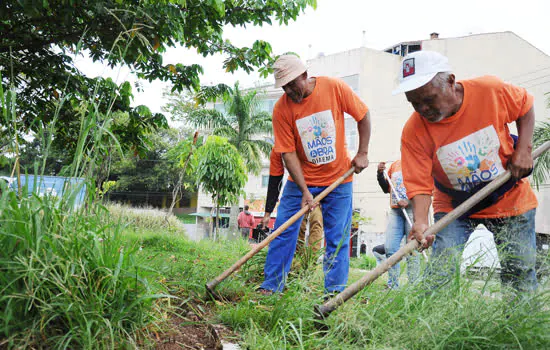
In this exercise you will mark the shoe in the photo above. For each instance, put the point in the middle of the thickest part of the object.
(264, 292)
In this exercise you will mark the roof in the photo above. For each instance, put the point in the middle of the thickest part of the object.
(461, 37)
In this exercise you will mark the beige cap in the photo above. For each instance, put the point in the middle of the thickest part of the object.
(287, 68)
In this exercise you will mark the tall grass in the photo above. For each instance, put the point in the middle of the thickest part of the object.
(145, 218)
(465, 313)
(67, 279)
(453, 318)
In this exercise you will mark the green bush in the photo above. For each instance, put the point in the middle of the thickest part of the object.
(66, 278)
(364, 262)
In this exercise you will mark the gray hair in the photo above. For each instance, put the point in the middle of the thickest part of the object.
(441, 79)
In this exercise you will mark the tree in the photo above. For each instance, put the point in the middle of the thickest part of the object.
(40, 40)
(55, 140)
(542, 163)
(243, 124)
(155, 174)
(220, 170)
(182, 153)
(541, 168)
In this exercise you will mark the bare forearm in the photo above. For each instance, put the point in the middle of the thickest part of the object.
(364, 127)
(294, 167)
(526, 125)
(421, 208)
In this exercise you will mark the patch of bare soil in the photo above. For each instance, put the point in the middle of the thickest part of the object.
(188, 328)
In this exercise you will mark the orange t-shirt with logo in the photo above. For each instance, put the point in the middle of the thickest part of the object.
(396, 175)
(276, 166)
(315, 129)
(468, 148)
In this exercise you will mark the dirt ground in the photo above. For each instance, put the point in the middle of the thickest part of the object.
(188, 328)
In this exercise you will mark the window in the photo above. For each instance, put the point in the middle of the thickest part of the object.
(413, 48)
(223, 222)
(405, 48)
(265, 181)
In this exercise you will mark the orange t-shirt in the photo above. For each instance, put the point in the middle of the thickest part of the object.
(468, 148)
(396, 175)
(276, 167)
(315, 129)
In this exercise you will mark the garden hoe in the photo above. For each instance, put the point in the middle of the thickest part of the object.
(323, 311)
(211, 286)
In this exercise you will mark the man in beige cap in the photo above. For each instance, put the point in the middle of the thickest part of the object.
(308, 124)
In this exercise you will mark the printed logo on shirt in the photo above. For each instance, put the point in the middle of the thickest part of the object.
(318, 135)
(397, 181)
(472, 160)
(408, 67)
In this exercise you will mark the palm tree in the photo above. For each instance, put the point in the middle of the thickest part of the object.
(541, 169)
(243, 124)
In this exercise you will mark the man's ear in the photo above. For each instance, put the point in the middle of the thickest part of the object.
(452, 79)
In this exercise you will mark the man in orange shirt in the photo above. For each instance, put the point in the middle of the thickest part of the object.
(314, 218)
(458, 139)
(308, 124)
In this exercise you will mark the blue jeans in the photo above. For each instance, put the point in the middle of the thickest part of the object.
(379, 258)
(397, 230)
(337, 209)
(514, 237)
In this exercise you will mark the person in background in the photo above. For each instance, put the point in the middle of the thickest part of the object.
(362, 248)
(246, 222)
(398, 227)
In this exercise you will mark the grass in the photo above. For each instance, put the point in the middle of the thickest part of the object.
(186, 218)
(145, 218)
(466, 313)
(67, 278)
(363, 262)
(86, 281)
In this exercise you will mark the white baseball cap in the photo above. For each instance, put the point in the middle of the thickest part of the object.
(419, 68)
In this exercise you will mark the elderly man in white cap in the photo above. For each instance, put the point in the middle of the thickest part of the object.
(458, 141)
(308, 124)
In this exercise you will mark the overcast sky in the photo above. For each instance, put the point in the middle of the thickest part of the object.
(338, 25)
